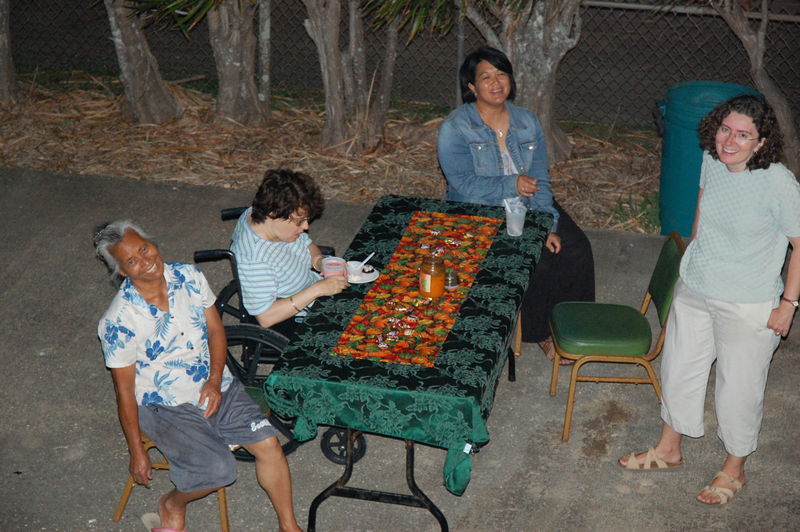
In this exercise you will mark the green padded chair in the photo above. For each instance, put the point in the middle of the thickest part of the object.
(605, 332)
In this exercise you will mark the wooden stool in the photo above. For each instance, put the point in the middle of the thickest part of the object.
(221, 493)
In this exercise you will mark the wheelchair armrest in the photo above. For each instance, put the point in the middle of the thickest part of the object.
(232, 214)
(327, 250)
(212, 255)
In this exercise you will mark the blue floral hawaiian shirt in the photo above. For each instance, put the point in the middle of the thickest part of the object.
(170, 349)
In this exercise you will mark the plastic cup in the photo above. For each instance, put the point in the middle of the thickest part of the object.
(353, 270)
(333, 266)
(515, 217)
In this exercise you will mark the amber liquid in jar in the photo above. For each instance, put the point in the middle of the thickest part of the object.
(431, 277)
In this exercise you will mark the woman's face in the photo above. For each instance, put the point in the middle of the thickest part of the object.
(492, 86)
(138, 258)
(290, 229)
(736, 141)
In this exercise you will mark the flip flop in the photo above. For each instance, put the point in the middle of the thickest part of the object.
(152, 523)
(653, 464)
(724, 494)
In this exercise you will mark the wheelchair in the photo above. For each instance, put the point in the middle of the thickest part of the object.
(252, 350)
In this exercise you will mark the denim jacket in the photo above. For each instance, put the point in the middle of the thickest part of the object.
(470, 158)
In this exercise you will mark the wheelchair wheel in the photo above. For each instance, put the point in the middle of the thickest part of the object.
(230, 307)
(250, 349)
(333, 444)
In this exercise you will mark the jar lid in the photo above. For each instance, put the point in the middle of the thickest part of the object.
(433, 261)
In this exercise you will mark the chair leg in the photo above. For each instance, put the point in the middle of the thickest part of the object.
(573, 382)
(223, 509)
(518, 339)
(123, 502)
(653, 379)
(554, 380)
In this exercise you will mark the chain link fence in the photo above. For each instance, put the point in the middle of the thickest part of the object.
(626, 60)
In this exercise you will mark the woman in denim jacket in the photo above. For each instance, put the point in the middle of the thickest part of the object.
(490, 149)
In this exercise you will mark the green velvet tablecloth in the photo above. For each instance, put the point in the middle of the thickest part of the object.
(446, 405)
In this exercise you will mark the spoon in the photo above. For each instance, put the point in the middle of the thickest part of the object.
(366, 260)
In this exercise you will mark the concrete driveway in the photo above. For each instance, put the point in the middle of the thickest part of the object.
(63, 459)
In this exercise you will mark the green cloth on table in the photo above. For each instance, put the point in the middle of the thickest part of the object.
(445, 405)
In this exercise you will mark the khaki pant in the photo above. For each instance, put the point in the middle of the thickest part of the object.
(699, 332)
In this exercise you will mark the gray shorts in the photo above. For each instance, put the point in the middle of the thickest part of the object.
(197, 448)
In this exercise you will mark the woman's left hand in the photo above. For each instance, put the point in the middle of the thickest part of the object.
(780, 319)
(553, 243)
(526, 186)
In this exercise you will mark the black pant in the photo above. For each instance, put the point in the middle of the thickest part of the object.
(564, 276)
(286, 327)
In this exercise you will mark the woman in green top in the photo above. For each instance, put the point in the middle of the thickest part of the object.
(730, 304)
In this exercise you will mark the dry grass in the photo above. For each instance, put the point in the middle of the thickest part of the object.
(605, 182)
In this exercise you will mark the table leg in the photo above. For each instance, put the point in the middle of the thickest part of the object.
(512, 366)
(339, 489)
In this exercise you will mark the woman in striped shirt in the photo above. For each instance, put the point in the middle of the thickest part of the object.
(275, 255)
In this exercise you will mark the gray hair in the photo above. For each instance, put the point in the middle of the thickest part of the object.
(108, 236)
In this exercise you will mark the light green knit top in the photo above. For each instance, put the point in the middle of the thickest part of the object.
(745, 219)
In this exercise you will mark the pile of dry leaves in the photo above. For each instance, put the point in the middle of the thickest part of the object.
(604, 183)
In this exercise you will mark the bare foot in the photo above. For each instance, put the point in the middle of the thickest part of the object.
(289, 528)
(550, 351)
(169, 517)
(713, 497)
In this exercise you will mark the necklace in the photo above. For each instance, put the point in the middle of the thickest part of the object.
(499, 131)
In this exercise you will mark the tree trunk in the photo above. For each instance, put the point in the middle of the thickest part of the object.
(368, 105)
(535, 41)
(322, 26)
(349, 94)
(149, 99)
(382, 97)
(230, 27)
(9, 87)
(264, 45)
(358, 57)
(755, 45)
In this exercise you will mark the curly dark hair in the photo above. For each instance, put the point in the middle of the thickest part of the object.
(496, 58)
(283, 192)
(763, 117)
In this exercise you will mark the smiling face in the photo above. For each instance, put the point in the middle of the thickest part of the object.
(492, 86)
(736, 141)
(138, 258)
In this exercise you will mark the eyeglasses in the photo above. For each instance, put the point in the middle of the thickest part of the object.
(297, 221)
(739, 137)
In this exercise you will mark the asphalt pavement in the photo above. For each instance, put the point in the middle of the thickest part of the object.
(63, 459)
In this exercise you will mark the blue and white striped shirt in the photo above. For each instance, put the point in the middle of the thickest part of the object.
(270, 270)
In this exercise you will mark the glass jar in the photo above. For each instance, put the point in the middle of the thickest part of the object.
(431, 277)
(451, 280)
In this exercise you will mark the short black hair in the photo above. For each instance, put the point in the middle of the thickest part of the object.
(283, 192)
(761, 113)
(467, 71)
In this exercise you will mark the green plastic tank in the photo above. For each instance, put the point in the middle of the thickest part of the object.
(681, 156)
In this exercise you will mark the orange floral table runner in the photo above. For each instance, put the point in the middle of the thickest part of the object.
(395, 323)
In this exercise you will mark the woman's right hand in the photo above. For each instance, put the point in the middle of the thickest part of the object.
(526, 186)
(332, 285)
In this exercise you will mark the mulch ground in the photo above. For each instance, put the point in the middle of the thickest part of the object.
(609, 181)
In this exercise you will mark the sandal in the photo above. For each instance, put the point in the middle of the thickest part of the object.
(550, 351)
(724, 494)
(652, 464)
